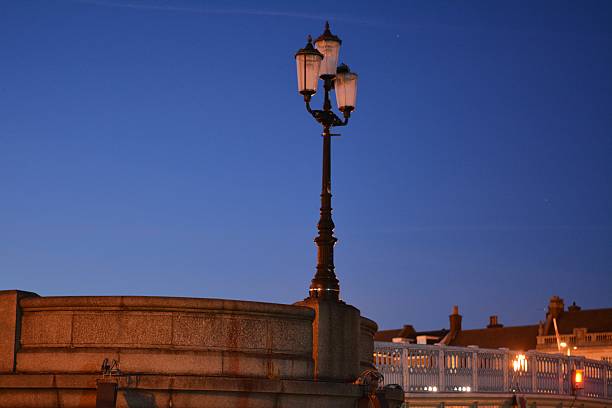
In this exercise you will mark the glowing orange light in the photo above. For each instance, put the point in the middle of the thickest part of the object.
(519, 363)
(578, 379)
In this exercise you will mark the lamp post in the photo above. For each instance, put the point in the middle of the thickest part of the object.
(519, 366)
(314, 64)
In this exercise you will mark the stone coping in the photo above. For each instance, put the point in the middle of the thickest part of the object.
(181, 383)
(159, 303)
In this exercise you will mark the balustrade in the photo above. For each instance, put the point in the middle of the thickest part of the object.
(604, 338)
(422, 368)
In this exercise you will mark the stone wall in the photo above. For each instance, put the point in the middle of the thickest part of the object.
(180, 352)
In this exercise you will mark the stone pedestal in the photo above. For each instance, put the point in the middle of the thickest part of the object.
(336, 334)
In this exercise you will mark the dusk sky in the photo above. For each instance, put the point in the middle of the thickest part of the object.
(161, 148)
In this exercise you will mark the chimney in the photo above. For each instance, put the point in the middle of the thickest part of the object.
(455, 322)
(493, 323)
(574, 307)
(541, 328)
(406, 335)
(555, 307)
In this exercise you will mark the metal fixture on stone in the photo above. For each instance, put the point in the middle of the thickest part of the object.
(314, 64)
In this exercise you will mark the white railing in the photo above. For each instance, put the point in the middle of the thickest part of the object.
(574, 339)
(430, 368)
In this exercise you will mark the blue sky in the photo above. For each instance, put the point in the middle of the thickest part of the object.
(161, 148)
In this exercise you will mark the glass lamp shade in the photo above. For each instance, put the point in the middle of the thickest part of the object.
(329, 45)
(308, 63)
(346, 88)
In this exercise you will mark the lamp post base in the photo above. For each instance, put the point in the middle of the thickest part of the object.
(335, 339)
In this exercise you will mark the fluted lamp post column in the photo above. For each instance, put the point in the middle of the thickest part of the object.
(314, 64)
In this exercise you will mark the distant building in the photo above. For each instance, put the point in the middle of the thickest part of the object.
(407, 334)
(580, 332)
(585, 333)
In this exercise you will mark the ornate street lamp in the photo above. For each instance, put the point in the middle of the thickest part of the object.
(312, 64)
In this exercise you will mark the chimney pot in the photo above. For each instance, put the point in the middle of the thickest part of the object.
(455, 322)
(494, 322)
(555, 306)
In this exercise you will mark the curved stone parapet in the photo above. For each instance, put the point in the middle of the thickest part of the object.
(366, 343)
(150, 335)
(180, 352)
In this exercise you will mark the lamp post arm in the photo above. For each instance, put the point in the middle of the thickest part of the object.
(327, 118)
(309, 109)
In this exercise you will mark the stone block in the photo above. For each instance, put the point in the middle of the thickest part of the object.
(28, 399)
(46, 329)
(244, 333)
(197, 330)
(294, 368)
(10, 327)
(122, 328)
(291, 335)
(29, 381)
(173, 363)
(77, 398)
(244, 364)
(75, 381)
(63, 361)
(96, 328)
(146, 329)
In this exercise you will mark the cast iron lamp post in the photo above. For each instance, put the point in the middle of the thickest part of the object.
(312, 64)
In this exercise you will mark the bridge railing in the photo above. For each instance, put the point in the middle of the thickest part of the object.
(431, 368)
